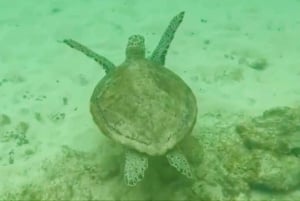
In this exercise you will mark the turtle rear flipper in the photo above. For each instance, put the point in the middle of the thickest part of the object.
(135, 167)
(107, 65)
(177, 159)
(160, 52)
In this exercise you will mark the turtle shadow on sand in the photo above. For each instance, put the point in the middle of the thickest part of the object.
(144, 106)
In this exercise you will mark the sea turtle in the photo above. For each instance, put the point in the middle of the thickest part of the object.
(143, 105)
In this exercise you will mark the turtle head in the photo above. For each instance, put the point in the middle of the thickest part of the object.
(135, 47)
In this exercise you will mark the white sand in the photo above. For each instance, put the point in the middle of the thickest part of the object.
(35, 64)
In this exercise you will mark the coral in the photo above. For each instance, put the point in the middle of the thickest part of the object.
(257, 64)
(276, 173)
(13, 131)
(231, 161)
(253, 61)
(71, 175)
(276, 130)
(273, 140)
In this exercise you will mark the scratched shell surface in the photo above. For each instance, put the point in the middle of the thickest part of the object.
(144, 106)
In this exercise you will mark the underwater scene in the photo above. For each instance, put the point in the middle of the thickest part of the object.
(195, 100)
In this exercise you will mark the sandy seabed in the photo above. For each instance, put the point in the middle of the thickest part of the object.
(238, 58)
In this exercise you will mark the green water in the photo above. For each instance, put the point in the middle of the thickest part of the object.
(202, 105)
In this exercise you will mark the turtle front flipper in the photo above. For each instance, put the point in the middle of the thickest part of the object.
(160, 52)
(107, 65)
(177, 159)
(135, 166)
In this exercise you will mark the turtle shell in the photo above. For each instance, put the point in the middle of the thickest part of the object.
(144, 106)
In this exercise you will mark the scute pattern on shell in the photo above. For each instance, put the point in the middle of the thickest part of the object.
(144, 106)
